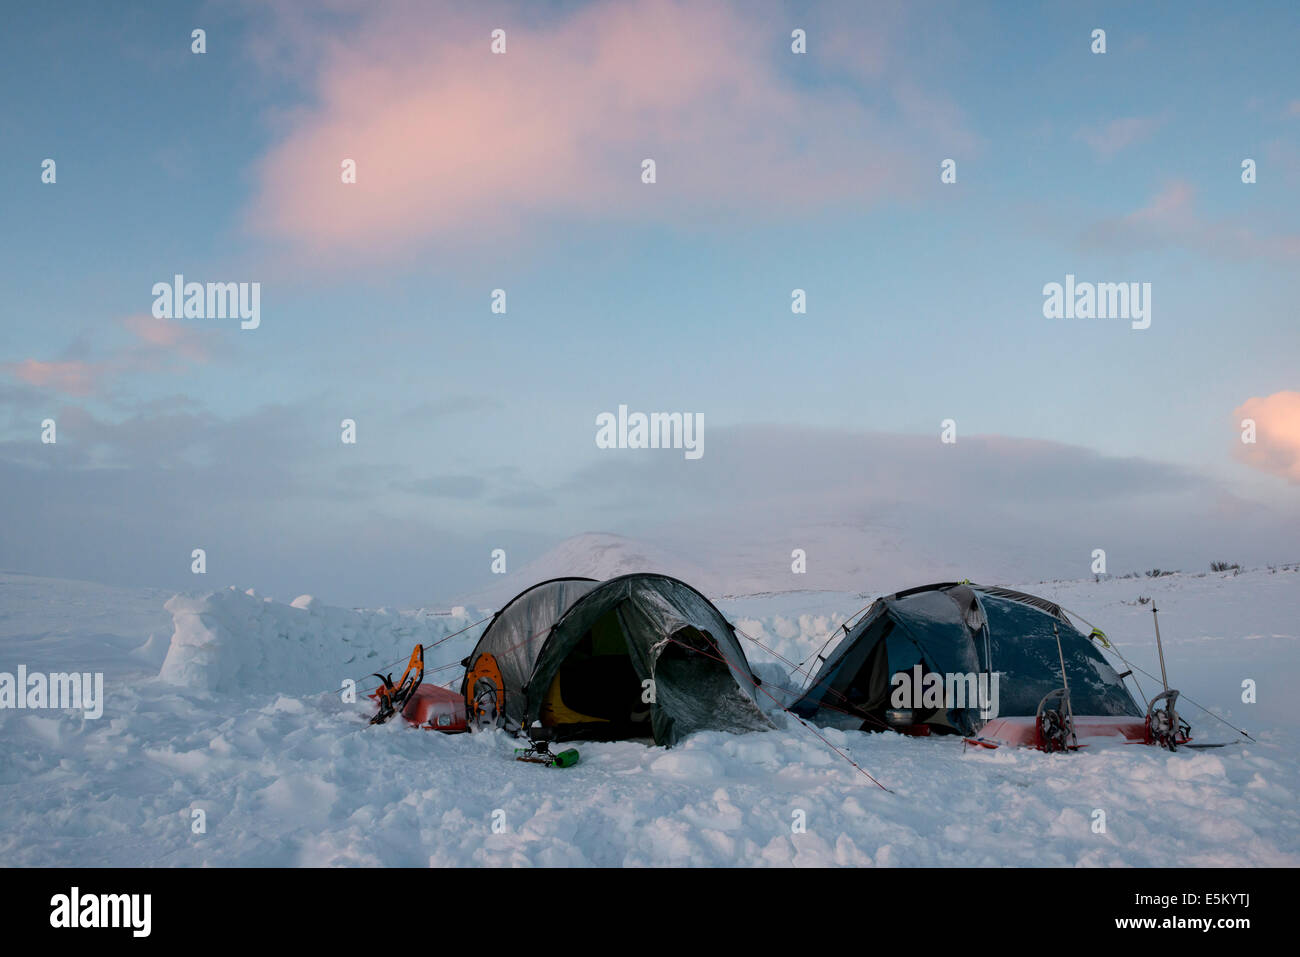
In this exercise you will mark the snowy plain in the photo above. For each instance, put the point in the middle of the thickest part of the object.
(224, 703)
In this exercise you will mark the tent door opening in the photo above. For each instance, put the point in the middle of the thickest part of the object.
(596, 693)
(871, 693)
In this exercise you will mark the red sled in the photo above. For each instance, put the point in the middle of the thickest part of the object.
(435, 708)
(1025, 732)
(427, 706)
(1054, 728)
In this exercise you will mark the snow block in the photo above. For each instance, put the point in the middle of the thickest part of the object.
(234, 642)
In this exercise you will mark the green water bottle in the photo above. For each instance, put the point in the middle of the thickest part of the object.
(566, 759)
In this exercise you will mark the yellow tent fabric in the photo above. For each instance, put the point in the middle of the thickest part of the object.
(554, 711)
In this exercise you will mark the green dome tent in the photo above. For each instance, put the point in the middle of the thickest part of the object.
(638, 656)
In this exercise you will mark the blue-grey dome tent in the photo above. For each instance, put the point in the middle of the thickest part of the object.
(638, 656)
(960, 629)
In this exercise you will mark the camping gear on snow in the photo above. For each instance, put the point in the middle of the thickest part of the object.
(539, 752)
(989, 645)
(638, 656)
(1164, 727)
(427, 706)
(391, 696)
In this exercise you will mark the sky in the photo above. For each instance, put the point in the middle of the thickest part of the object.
(523, 171)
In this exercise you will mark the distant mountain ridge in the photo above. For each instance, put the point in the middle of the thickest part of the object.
(844, 557)
(598, 555)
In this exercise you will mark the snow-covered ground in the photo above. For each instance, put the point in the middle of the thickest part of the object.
(222, 704)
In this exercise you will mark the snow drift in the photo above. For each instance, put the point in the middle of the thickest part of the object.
(235, 642)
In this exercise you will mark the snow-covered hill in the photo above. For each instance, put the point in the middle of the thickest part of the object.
(841, 557)
(598, 555)
(286, 775)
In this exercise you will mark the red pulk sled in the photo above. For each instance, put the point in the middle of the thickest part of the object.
(1048, 732)
(424, 705)
(1057, 728)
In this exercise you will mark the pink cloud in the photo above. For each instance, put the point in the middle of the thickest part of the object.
(72, 377)
(156, 345)
(451, 141)
(1277, 423)
(1172, 218)
(167, 335)
(1172, 206)
(1119, 134)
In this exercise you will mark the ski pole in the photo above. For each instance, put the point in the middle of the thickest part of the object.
(1065, 680)
(1164, 679)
